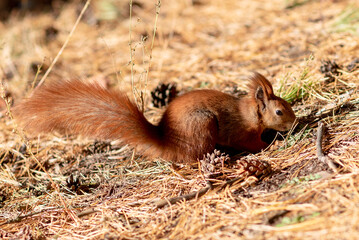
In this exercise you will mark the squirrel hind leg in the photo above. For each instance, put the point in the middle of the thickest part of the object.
(191, 139)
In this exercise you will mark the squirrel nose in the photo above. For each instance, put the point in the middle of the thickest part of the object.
(292, 123)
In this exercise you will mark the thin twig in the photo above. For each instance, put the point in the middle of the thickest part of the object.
(37, 75)
(65, 44)
(203, 191)
(320, 132)
(131, 53)
(21, 217)
(320, 154)
(87, 212)
(164, 202)
(158, 8)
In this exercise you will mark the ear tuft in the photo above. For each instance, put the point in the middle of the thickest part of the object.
(257, 80)
(259, 94)
(261, 98)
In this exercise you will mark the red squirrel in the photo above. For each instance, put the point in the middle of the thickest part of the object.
(192, 125)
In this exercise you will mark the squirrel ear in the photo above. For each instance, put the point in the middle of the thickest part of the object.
(260, 93)
(260, 80)
(261, 97)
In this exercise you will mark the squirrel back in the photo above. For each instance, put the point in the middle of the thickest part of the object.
(192, 125)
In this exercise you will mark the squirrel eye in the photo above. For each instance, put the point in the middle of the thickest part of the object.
(279, 112)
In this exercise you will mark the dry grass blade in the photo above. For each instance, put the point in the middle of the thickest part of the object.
(65, 43)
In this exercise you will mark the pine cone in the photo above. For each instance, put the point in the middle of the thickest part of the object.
(255, 168)
(73, 182)
(330, 69)
(213, 163)
(219, 166)
(163, 94)
(97, 147)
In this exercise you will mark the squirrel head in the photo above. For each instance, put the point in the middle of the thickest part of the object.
(274, 112)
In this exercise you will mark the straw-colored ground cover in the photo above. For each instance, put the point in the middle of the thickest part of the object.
(69, 187)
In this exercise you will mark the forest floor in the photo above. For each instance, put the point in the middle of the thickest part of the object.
(69, 187)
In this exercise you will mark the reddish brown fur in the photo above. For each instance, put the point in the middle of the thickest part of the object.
(259, 80)
(191, 126)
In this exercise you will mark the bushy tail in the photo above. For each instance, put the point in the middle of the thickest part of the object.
(90, 110)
